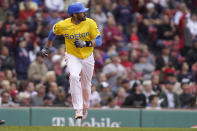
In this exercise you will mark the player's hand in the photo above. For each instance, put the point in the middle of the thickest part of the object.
(45, 52)
(79, 43)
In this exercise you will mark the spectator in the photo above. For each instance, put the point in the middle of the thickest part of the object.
(53, 88)
(136, 99)
(134, 37)
(118, 85)
(111, 104)
(125, 61)
(7, 62)
(112, 34)
(166, 29)
(126, 85)
(184, 34)
(161, 3)
(13, 87)
(155, 84)
(154, 102)
(37, 69)
(47, 101)
(143, 67)
(68, 102)
(109, 54)
(164, 58)
(30, 89)
(60, 98)
(182, 8)
(170, 99)
(148, 91)
(99, 63)
(52, 5)
(134, 80)
(95, 98)
(186, 98)
(100, 78)
(184, 73)
(38, 100)
(194, 70)
(166, 70)
(9, 75)
(15, 96)
(138, 6)
(177, 86)
(149, 23)
(4, 10)
(191, 24)
(9, 27)
(32, 5)
(14, 7)
(5, 100)
(38, 2)
(22, 60)
(35, 50)
(120, 98)
(5, 86)
(151, 16)
(105, 93)
(38, 25)
(52, 18)
(145, 51)
(192, 53)
(99, 16)
(24, 99)
(22, 86)
(49, 77)
(57, 67)
(27, 13)
(113, 70)
(48, 61)
(123, 16)
(108, 6)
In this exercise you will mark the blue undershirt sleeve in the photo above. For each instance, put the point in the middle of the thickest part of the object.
(98, 41)
(51, 35)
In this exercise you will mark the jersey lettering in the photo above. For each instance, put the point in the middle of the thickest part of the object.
(79, 35)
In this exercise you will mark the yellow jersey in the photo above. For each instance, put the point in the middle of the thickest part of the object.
(86, 31)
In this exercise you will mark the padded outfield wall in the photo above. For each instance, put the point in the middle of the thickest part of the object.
(99, 117)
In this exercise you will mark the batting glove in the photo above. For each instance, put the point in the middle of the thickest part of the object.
(45, 52)
(79, 43)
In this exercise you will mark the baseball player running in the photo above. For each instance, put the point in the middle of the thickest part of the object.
(81, 36)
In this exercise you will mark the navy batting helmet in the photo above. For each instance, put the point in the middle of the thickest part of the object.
(76, 7)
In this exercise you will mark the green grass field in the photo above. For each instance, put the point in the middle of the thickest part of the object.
(47, 128)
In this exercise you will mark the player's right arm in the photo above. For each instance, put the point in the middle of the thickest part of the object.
(51, 37)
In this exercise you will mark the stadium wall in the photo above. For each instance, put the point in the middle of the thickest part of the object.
(99, 117)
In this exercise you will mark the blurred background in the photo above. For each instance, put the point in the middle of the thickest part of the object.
(148, 58)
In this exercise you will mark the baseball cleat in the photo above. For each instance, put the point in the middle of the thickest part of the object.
(2, 122)
(85, 114)
(78, 114)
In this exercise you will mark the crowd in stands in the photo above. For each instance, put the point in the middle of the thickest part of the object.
(148, 58)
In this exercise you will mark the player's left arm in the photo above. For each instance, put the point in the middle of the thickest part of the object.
(97, 41)
(51, 38)
(93, 43)
(56, 30)
(94, 35)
